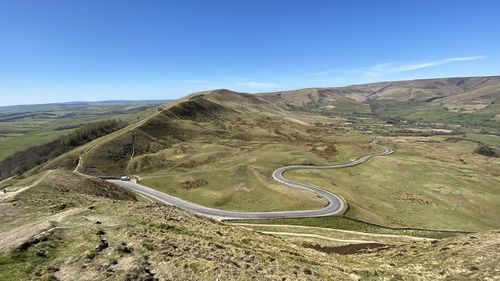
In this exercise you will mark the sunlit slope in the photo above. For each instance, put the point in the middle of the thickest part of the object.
(74, 227)
(471, 101)
(218, 149)
(211, 116)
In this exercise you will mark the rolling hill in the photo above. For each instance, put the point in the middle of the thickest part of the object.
(208, 116)
(59, 221)
(219, 148)
(228, 141)
(466, 101)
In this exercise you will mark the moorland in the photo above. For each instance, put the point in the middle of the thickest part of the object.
(428, 211)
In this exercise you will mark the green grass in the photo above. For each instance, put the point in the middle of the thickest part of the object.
(236, 180)
(346, 108)
(239, 177)
(422, 111)
(24, 133)
(234, 154)
(422, 185)
(345, 224)
(59, 190)
(18, 265)
(484, 138)
(140, 238)
(10, 144)
(427, 183)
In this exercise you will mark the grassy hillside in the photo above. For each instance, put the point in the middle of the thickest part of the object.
(22, 127)
(25, 160)
(460, 101)
(428, 182)
(53, 191)
(82, 228)
(217, 149)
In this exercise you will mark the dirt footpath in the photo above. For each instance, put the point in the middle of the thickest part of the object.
(19, 235)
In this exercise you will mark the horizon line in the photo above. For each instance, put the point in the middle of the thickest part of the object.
(276, 91)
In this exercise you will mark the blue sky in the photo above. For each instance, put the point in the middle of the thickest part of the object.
(55, 50)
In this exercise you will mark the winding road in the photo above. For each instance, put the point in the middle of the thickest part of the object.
(337, 206)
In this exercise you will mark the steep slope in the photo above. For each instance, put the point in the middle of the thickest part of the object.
(215, 148)
(464, 257)
(219, 149)
(312, 97)
(66, 228)
(201, 116)
(46, 194)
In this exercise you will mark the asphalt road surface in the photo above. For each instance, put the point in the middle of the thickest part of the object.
(337, 206)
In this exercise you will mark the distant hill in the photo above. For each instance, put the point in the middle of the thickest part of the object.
(25, 126)
(76, 104)
(468, 100)
(478, 90)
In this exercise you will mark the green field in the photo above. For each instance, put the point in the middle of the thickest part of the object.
(484, 138)
(424, 112)
(219, 149)
(70, 226)
(424, 184)
(25, 132)
(218, 158)
(240, 178)
(236, 180)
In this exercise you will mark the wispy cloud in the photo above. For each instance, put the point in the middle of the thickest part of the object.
(394, 67)
(254, 84)
(391, 67)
